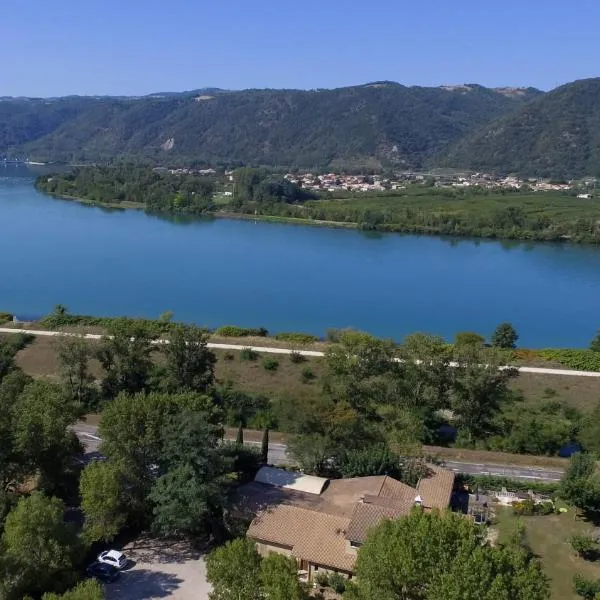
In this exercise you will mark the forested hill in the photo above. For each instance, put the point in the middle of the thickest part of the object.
(362, 126)
(555, 135)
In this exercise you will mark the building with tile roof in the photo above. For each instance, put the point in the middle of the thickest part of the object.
(324, 530)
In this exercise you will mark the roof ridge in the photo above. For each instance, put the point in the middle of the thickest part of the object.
(382, 484)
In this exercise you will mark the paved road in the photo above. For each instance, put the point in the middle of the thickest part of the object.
(315, 353)
(278, 455)
(512, 472)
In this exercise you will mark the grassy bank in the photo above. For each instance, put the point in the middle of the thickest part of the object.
(90, 202)
(548, 537)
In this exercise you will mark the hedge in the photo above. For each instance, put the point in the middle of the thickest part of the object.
(581, 360)
(233, 331)
(296, 338)
(492, 482)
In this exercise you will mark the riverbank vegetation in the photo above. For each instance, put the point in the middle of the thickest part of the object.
(418, 209)
(518, 215)
(163, 409)
(536, 414)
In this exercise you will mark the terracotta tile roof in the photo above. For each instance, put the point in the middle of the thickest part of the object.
(367, 516)
(436, 489)
(392, 488)
(282, 525)
(317, 528)
(324, 542)
(311, 535)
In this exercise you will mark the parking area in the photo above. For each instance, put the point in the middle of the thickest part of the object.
(161, 569)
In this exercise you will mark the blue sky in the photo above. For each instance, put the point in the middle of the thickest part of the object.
(58, 47)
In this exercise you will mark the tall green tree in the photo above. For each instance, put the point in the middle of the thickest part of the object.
(103, 493)
(40, 550)
(279, 578)
(595, 343)
(580, 484)
(480, 390)
(433, 556)
(42, 415)
(74, 354)
(264, 447)
(189, 364)
(189, 496)
(126, 357)
(233, 570)
(14, 468)
(84, 590)
(132, 430)
(505, 336)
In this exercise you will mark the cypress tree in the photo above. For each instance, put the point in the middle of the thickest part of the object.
(264, 449)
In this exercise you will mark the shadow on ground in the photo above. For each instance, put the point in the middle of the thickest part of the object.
(142, 584)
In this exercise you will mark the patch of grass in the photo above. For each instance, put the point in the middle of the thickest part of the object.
(548, 537)
(582, 393)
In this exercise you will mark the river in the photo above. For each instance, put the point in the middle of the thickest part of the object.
(286, 277)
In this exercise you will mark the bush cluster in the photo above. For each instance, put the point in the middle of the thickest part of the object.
(234, 331)
(296, 338)
(581, 360)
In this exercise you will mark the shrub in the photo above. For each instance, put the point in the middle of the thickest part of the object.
(233, 331)
(581, 360)
(229, 355)
(248, 354)
(549, 392)
(5, 317)
(586, 588)
(297, 338)
(270, 364)
(322, 578)
(493, 482)
(585, 545)
(334, 335)
(468, 338)
(337, 582)
(307, 375)
(297, 358)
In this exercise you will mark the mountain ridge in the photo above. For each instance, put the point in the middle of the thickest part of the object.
(554, 135)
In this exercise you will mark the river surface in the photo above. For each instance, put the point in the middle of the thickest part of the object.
(286, 277)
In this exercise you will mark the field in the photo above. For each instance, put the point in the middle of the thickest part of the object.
(548, 537)
(518, 215)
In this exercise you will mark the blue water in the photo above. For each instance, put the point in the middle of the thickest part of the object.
(285, 277)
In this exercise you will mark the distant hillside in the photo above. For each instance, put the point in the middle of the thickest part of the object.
(375, 124)
(555, 135)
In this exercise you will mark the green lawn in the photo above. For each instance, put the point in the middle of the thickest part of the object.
(548, 538)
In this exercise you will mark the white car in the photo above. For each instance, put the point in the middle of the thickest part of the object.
(114, 558)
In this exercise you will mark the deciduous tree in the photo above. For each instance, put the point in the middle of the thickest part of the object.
(102, 500)
(126, 357)
(190, 365)
(233, 570)
(432, 556)
(39, 548)
(279, 578)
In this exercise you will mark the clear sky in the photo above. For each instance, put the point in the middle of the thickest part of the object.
(58, 47)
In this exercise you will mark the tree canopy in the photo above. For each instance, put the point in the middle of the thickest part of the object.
(433, 556)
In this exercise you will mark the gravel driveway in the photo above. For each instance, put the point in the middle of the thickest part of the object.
(162, 569)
